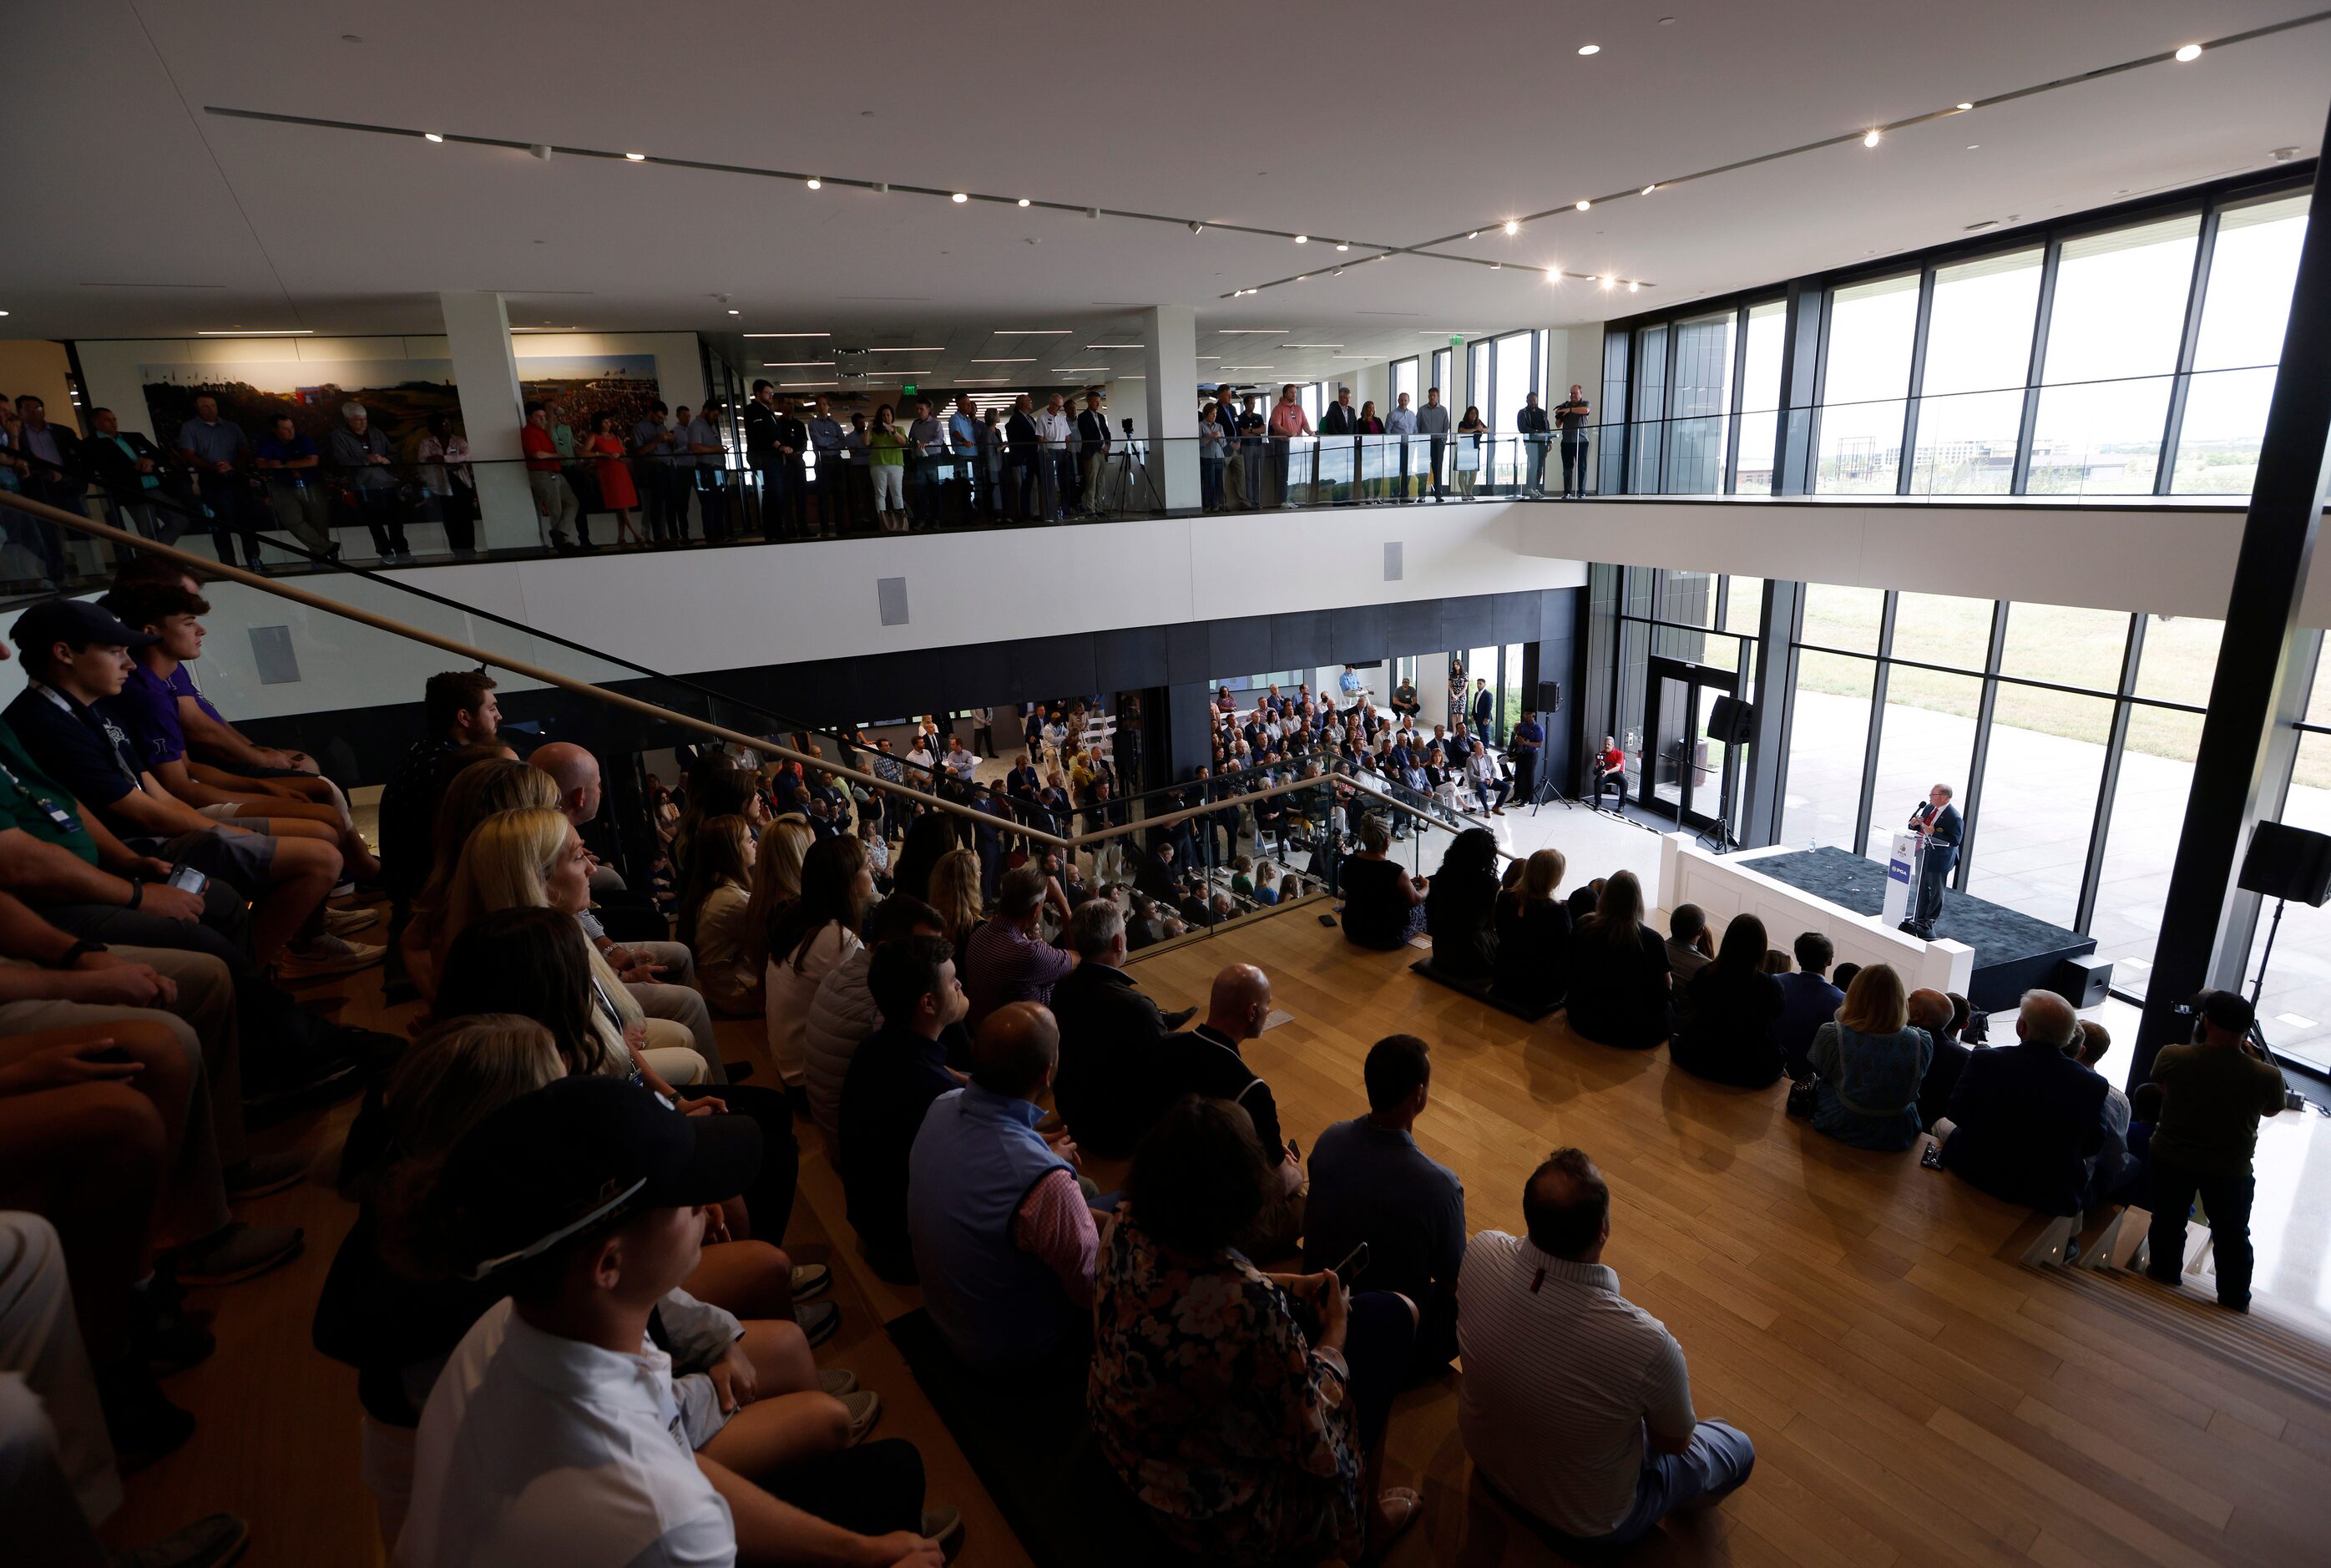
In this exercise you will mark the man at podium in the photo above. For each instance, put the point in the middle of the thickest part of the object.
(1936, 822)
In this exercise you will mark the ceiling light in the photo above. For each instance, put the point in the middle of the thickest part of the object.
(796, 364)
(1649, 189)
(1582, 205)
(1355, 356)
(431, 136)
(1302, 239)
(1963, 107)
(1497, 266)
(1311, 345)
(1513, 226)
(1869, 137)
(1247, 368)
(1343, 247)
(1117, 346)
(1973, 145)
(927, 349)
(636, 158)
(736, 312)
(1336, 273)
(3, 312)
(1553, 275)
(268, 332)
(960, 196)
(1633, 288)
(1590, 49)
(1606, 280)
(788, 334)
(1251, 331)
(1030, 359)
(2189, 52)
(1076, 370)
(1030, 332)
(1196, 227)
(1303, 277)
(814, 184)
(981, 380)
(1474, 235)
(794, 384)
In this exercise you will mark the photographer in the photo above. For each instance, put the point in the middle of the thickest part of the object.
(2213, 1089)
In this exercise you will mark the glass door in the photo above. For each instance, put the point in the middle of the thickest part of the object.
(1682, 767)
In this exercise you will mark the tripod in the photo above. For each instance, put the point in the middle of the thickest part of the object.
(1542, 785)
(1721, 840)
(2292, 1100)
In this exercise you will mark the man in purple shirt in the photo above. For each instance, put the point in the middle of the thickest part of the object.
(1007, 960)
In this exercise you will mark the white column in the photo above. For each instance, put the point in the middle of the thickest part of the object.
(1170, 333)
(485, 374)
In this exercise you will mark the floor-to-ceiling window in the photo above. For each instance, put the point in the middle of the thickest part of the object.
(1698, 400)
(2113, 330)
(1760, 396)
(2252, 265)
(1683, 637)
(1647, 420)
(1865, 375)
(1404, 383)
(1514, 374)
(1970, 409)
(1441, 378)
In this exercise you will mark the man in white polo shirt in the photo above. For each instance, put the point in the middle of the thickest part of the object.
(1575, 1403)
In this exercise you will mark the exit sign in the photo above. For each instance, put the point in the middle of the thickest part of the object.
(908, 389)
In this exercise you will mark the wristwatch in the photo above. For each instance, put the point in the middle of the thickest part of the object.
(72, 955)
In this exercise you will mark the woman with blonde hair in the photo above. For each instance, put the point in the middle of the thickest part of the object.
(483, 788)
(714, 910)
(1533, 929)
(1870, 1061)
(776, 880)
(954, 894)
(533, 859)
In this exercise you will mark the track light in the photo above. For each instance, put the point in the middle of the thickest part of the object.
(1649, 189)
(1869, 137)
(636, 158)
(1343, 247)
(2192, 51)
(1198, 228)
(1963, 107)
(1606, 280)
(1497, 266)
(814, 184)
(1582, 206)
(431, 136)
(1302, 239)
(1474, 235)
(1590, 49)
(1633, 288)
(960, 196)
(1513, 226)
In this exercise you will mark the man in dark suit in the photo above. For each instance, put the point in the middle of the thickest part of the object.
(1936, 823)
(1108, 1089)
(1092, 452)
(48, 469)
(135, 475)
(2030, 1120)
(1340, 418)
(1485, 705)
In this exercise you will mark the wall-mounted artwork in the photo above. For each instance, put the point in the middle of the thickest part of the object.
(400, 395)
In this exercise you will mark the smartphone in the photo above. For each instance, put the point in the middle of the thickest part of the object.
(1933, 1157)
(187, 880)
(1352, 1264)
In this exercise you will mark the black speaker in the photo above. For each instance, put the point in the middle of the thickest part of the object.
(1729, 720)
(1549, 697)
(2288, 862)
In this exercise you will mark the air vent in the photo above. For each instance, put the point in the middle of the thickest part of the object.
(270, 649)
(1392, 561)
(890, 594)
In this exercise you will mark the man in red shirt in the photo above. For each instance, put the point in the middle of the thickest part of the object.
(1610, 773)
(1288, 421)
(552, 497)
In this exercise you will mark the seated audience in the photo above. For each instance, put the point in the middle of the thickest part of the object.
(1776, 962)
(1246, 1411)
(558, 1396)
(955, 893)
(808, 938)
(1942, 1079)
(1007, 960)
(1106, 1090)
(1576, 1404)
(1383, 906)
(1371, 1185)
(1461, 906)
(843, 1013)
(1808, 1001)
(927, 837)
(2213, 1090)
(2029, 1121)
(2094, 1044)
(1735, 1003)
(1207, 1060)
(777, 859)
(1534, 934)
(1689, 949)
(458, 710)
(713, 919)
(1002, 1238)
(1619, 970)
(1843, 977)
(480, 789)
(1870, 1063)
(891, 1080)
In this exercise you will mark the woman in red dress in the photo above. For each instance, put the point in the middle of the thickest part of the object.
(616, 491)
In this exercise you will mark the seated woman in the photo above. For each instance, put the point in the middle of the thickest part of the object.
(1870, 1063)
(1734, 1004)
(481, 790)
(1619, 970)
(392, 1308)
(1383, 906)
(1461, 906)
(1246, 1411)
(1534, 935)
(954, 887)
(808, 938)
(531, 859)
(713, 919)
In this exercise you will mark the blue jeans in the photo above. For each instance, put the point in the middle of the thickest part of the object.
(1718, 1462)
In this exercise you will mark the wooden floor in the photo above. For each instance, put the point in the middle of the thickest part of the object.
(1915, 1394)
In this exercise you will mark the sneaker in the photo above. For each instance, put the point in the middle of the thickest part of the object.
(865, 1408)
(818, 1320)
(236, 1252)
(211, 1543)
(838, 1381)
(346, 889)
(264, 1173)
(810, 1280)
(328, 954)
(341, 922)
(942, 1525)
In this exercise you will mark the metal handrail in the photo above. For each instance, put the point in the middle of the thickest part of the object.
(203, 566)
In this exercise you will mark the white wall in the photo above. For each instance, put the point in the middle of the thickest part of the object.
(109, 367)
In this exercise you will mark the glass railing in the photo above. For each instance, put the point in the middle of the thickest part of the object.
(2096, 439)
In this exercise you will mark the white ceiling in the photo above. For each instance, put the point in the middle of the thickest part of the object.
(135, 214)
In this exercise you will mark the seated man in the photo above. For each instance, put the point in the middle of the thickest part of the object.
(1206, 1061)
(1808, 1000)
(76, 655)
(2028, 1120)
(553, 1433)
(1003, 1240)
(1007, 959)
(1577, 1404)
(1106, 1090)
(891, 1080)
(843, 1013)
(1931, 1010)
(1371, 1185)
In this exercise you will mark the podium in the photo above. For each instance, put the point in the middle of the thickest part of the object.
(1902, 865)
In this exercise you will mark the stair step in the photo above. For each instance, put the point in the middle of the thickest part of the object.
(2257, 1344)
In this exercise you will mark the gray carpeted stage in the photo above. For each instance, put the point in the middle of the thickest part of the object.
(2013, 953)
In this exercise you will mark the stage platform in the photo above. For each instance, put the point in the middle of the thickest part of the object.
(2013, 953)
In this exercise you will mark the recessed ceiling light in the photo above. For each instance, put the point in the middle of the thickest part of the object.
(1583, 205)
(1303, 277)
(1513, 226)
(1076, 370)
(1311, 345)
(2190, 52)
(636, 158)
(2281, 154)
(431, 136)
(3, 312)
(791, 384)
(1553, 275)
(1981, 223)
(1117, 346)
(1302, 239)
(1963, 107)
(1029, 359)
(1649, 189)
(933, 349)
(788, 334)
(1251, 331)
(960, 196)
(736, 312)
(263, 332)
(982, 380)
(1869, 137)
(1029, 332)
(796, 364)
(1973, 145)
(1590, 49)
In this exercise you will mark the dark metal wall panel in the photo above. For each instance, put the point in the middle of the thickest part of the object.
(1129, 659)
(1299, 639)
(1189, 654)
(1241, 647)
(1514, 617)
(1464, 623)
(1355, 635)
